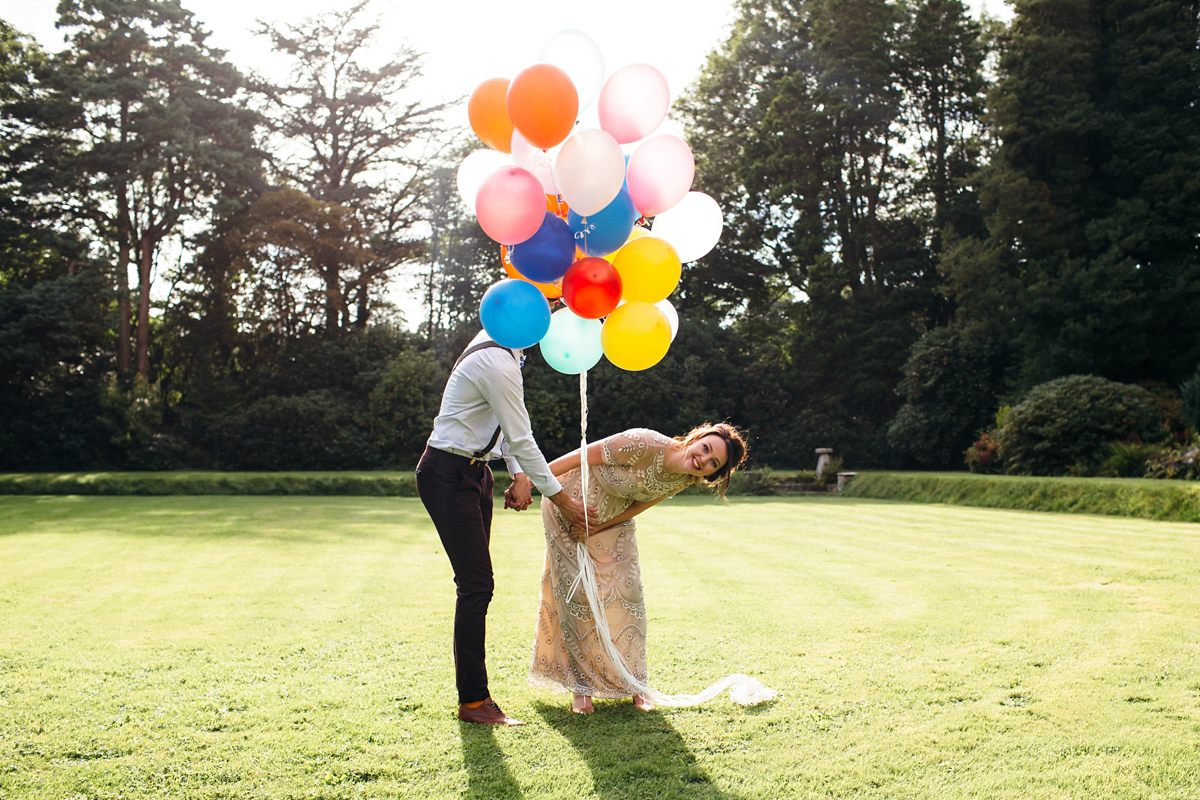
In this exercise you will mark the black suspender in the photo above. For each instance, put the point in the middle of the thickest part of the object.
(496, 433)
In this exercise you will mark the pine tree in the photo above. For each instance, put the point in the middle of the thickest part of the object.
(1091, 263)
(157, 137)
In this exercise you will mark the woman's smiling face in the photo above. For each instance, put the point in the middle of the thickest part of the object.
(704, 456)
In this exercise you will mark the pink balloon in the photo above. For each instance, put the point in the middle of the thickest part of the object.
(660, 173)
(633, 102)
(510, 205)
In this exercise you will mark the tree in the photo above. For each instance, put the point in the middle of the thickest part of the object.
(941, 55)
(950, 387)
(833, 133)
(30, 247)
(147, 106)
(810, 93)
(54, 304)
(356, 135)
(1090, 261)
(273, 244)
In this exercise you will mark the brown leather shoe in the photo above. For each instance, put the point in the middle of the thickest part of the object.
(487, 714)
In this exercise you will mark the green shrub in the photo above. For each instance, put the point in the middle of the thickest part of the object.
(1182, 463)
(1128, 459)
(402, 407)
(313, 431)
(982, 456)
(1189, 390)
(753, 482)
(1065, 426)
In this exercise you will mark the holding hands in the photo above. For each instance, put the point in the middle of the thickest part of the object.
(519, 494)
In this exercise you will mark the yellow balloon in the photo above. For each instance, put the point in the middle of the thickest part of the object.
(649, 267)
(635, 336)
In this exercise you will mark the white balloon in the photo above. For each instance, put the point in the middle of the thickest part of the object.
(692, 226)
(671, 314)
(475, 169)
(539, 162)
(576, 54)
(589, 170)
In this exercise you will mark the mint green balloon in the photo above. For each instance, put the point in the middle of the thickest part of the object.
(572, 345)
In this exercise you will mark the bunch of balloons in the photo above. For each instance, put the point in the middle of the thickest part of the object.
(565, 202)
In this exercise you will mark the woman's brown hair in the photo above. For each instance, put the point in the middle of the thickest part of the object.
(735, 446)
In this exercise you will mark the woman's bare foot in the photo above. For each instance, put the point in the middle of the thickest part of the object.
(582, 704)
(642, 703)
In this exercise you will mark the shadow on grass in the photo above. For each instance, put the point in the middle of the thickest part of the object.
(488, 777)
(632, 753)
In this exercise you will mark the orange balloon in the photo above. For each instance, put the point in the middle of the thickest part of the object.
(542, 104)
(557, 206)
(487, 109)
(552, 291)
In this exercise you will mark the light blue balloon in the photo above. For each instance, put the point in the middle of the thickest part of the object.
(514, 313)
(572, 345)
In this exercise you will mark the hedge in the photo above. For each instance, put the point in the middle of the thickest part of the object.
(1177, 501)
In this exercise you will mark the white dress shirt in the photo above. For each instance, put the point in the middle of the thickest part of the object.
(484, 391)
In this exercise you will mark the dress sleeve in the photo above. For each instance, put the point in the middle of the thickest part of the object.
(626, 448)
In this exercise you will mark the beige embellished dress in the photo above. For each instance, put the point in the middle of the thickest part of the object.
(567, 655)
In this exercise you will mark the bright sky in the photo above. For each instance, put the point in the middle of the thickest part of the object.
(465, 42)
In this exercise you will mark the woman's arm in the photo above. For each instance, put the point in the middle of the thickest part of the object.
(635, 508)
(565, 463)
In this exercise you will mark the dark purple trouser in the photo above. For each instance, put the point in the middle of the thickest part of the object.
(458, 496)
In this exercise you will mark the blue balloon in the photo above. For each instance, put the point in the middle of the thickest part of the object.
(515, 313)
(608, 229)
(545, 256)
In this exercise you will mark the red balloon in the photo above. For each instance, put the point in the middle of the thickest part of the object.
(591, 288)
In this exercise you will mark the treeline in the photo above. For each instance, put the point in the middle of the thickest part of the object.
(926, 216)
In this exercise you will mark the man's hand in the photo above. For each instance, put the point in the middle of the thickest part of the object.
(519, 494)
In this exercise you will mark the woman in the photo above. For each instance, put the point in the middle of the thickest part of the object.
(627, 473)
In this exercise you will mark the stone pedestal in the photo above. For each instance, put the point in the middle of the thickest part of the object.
(823, 459)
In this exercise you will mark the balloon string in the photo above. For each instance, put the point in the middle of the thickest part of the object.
(583, 454)
(580, 581)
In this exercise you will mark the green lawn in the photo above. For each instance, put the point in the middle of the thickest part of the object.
(298, 647)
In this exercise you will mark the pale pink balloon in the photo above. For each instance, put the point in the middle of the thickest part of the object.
(589, 170)
(633, 102)
(510, 205)
(660, 173)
